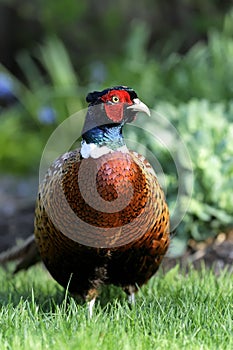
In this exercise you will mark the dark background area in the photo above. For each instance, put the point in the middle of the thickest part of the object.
(98, 30)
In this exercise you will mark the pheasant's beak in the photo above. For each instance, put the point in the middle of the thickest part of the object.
(139, 106)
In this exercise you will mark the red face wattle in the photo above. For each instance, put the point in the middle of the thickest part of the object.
(115, 102)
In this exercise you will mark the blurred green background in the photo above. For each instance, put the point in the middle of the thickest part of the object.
(178, 56)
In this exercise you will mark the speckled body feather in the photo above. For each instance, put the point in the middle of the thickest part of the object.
(144, 220)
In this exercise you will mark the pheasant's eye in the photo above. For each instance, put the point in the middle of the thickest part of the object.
(115, 99)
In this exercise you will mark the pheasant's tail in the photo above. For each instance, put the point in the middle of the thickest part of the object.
(26, 255)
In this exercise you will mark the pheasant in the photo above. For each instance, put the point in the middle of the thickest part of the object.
(101, 216)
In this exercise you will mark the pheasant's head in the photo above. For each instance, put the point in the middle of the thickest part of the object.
(108, 111)
(119, 104)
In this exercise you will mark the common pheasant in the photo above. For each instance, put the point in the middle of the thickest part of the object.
(101, 215)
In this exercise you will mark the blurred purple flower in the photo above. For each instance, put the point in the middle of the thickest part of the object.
(98, 72)
(6, 87)
(47, 115)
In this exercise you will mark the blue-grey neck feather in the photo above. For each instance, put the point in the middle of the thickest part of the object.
(105, 135)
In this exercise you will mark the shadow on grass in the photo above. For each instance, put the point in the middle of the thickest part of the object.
(37, 286)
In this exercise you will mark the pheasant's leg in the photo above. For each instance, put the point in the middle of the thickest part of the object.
(131, 298)
(90, 305)
(91, 295)
(131, 290)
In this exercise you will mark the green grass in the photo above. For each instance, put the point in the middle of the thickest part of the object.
(172, 312)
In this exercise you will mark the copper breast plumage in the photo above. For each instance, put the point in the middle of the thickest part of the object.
(101, 220)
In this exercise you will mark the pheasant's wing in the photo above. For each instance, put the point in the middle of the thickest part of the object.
(26, 255)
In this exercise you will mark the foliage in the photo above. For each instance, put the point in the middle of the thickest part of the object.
(205, 71)
(97, 30)
(175, 311)
(42, 104)
(207, 131)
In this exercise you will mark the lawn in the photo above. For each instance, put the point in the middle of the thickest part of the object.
(173, 311)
